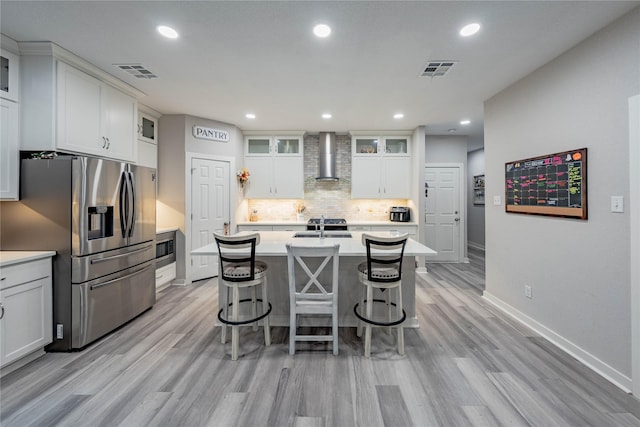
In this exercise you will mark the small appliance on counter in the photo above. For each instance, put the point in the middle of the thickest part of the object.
(400, 214)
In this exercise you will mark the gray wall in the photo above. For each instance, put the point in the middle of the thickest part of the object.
(579, 271)
(175, 140)
(446, 149)
(475, 213)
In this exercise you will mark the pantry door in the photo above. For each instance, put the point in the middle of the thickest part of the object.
(209, 211)
(444, 230)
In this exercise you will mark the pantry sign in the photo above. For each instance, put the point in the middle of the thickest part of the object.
(211, 134)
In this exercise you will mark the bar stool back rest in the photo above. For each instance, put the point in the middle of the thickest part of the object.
(236, 260)
(384, 268)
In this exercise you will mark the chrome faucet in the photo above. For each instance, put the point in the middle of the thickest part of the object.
(322, 226)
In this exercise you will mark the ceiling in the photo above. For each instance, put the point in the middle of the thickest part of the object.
(237, 57)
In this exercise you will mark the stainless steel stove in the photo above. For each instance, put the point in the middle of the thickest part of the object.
(338, 224)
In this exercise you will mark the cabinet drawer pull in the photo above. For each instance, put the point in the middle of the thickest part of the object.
(2, 311)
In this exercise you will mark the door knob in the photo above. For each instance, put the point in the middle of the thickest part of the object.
(457, 219)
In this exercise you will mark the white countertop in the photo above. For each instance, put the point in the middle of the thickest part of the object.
(294, 222)
(166, 229)
(8, 258)
(272, 243)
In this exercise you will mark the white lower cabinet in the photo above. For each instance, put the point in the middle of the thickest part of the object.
(164, 275)
(25, 309)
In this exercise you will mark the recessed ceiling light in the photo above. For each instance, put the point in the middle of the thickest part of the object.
(470, 29)
(322, 30)
(398, 116)
(465, 122)
(250, 116)
(168, 32)
(326, 116)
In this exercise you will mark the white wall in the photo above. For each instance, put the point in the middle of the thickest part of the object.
(475, 214)
(579, 271)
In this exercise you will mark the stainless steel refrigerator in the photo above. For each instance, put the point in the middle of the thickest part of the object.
(99, 216)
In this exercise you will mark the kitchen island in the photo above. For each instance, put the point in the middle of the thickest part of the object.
(272, 250)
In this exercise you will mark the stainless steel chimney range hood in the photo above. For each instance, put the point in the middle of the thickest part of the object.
(327, 158)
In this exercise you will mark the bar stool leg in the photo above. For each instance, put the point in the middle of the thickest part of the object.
(235, 332)
(388, 302)
(362, 300)
(254, 307)
(225, 313)
(334, 329)
(265, 307)
(400, 327)
(367, 327)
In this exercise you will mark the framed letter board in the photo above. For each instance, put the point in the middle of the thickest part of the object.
(555, 184)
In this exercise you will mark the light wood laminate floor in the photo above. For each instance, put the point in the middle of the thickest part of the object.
(467, 365)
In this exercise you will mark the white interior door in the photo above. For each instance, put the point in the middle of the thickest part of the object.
(209, 211)
(442, 212)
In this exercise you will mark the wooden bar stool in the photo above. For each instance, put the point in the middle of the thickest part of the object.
(239, 269)
(382, 271)
(308, 295)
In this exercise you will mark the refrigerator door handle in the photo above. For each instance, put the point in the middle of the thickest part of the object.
(109, 258)
(124, 222)
(132, 205)
(99, 285)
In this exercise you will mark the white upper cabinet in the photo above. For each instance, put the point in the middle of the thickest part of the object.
(380, 166)
(147, 127)
(71, 106)
(9, 152)
(93, 117)
(9, 75)
(9, 123)
(147, 137)
(276, 165)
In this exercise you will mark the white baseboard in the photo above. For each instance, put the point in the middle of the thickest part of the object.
(477, 246)
(608, 372)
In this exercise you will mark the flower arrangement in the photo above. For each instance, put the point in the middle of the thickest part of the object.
(243, 176)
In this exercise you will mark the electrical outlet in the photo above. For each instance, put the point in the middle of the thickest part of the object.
(497, 200)
(527, 291)
(59, 331)
(617, 204)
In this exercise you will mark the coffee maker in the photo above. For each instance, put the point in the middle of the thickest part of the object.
(399, 214)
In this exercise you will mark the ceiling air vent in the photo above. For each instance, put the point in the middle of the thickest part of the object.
(137, 70)
(437, 68)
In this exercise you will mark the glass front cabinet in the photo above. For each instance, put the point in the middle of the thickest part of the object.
(276, 166)
(380, 166)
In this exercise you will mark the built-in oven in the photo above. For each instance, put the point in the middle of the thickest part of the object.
(165, 248)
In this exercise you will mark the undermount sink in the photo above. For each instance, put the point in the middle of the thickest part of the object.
(328, 234)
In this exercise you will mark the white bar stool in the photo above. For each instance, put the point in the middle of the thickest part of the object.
(239, 269)
(383, 271)
(308, 295)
